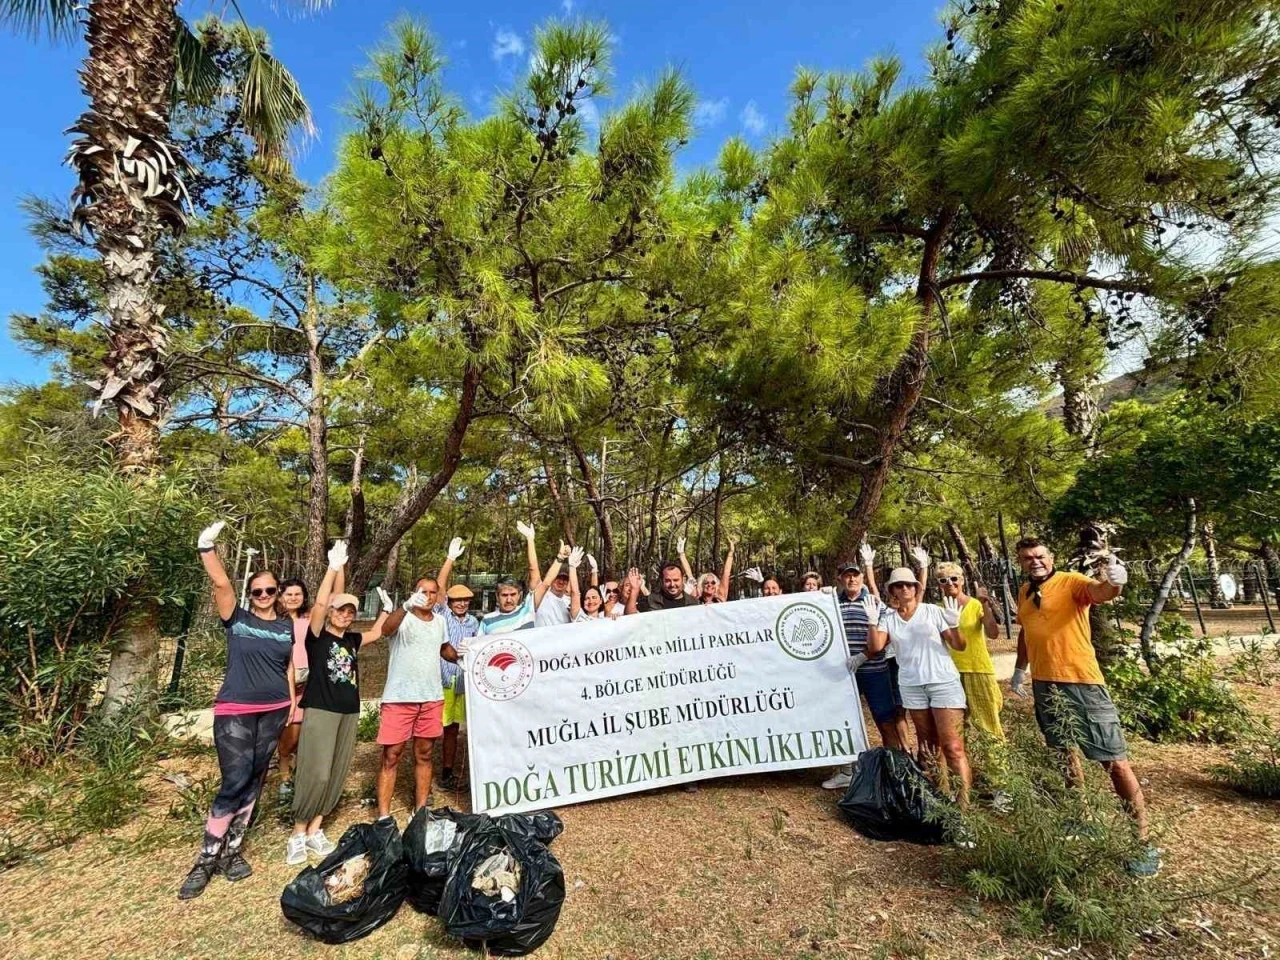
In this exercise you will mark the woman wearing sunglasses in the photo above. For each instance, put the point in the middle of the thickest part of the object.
(928, 680)
(977, 623)
(249, 712)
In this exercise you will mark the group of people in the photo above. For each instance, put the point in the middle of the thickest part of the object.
(292, 675)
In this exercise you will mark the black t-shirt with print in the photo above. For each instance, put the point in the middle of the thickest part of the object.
(333, 683)
(657, 600)
(258, 654)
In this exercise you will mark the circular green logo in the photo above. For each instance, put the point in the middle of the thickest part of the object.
(804, 631)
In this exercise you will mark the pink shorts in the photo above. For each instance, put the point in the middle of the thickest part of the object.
(403, 721)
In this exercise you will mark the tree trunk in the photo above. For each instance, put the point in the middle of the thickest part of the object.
(133, 656)
(1272, 561)
(393, 568)
(1080, 409)
(357, 517)
(562, 512)
(971, 570)
(317, 447)
(414, 502)
(901, 393)
(598, 508)
(1166, 586)
(655, 497)
(129, 192)
(717, 514)
(1217, 599)
(987, 547)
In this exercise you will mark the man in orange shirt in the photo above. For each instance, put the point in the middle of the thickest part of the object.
(1073, 706)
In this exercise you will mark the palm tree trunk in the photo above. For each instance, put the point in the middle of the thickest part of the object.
(129, 193)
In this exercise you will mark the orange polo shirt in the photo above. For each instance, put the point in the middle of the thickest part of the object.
(1059, 645)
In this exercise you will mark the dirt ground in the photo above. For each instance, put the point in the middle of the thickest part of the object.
(748, 867)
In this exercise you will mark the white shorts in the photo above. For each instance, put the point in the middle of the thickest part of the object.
(948, 695)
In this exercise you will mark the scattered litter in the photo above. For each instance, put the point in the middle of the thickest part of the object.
(499, 874)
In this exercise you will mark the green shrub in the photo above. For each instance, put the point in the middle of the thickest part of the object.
(1254, 766)
(367, 732)
(81, 550)
(1179, 697)
(1057, 855)
(1258, 659)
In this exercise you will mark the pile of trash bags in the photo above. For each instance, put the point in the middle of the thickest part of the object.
(492, 880)
(890, 799)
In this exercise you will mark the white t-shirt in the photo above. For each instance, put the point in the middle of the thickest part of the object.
(922, 654)
(552, 611)
(413, 668)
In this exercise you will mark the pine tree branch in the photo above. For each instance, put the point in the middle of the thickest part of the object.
(1056, 276)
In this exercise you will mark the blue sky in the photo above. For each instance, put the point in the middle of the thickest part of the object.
(740, 56)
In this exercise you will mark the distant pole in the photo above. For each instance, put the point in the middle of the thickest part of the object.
(1262, 589)
(1195, 599)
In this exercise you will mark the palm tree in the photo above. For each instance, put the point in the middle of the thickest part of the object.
(142, 57)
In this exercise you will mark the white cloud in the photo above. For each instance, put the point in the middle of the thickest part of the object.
(507, 43)
(710, 112)
(752, 119)
(588, 113)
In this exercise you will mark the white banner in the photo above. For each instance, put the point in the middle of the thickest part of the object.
(565, 714)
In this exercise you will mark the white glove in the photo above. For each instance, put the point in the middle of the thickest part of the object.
(209, 534)
(680, 546)
(463, 646)
(525, 529)
(417, 601)
(871, 608)
(1019, 682)
(456, 547)
(854, 662)
(921, 557)
(951, 611)
(827, 589)
(1114, 572)
(575, 558)
(868, 556)
(338, 555)
(591, 562)
(753, 573)
(385, 597)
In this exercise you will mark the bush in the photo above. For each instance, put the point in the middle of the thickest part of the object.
(1179, 697)
(1258, 661)
(1254, 767)
(367, 731)
(1058, 853)
(82, 552)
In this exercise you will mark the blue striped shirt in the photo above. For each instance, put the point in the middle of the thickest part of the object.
(456, 630)
(856, 628)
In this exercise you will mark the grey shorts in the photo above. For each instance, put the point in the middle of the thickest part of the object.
(1080, 715)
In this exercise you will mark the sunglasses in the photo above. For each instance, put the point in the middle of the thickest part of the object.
(900, 586)
(951, 579)
(263, 591)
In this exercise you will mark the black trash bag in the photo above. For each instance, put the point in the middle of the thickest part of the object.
(484, 921)
(890, 797)
(428, 871)
(307, 903)
(542, 825)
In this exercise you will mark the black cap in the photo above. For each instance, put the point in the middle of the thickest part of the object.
(850, 568)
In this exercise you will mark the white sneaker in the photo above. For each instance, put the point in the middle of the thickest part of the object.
(319, 844)
(295, 853)
(839, 780)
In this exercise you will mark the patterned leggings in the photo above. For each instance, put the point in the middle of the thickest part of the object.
(245, 743)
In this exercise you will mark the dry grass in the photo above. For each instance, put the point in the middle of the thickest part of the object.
(753, 867)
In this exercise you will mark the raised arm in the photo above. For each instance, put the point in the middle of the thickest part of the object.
(869, 569)
(553, 571)
(531, 551)
(921, 557)
(1111, 580)
(575, 592)
(320, 608)
(630, 588)
(877, 639)
(990, 625)
(684, 561)
(595, 570)
(728, 571)
(456, 549)
(391, 623)
(224, 591)
(374, 633)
